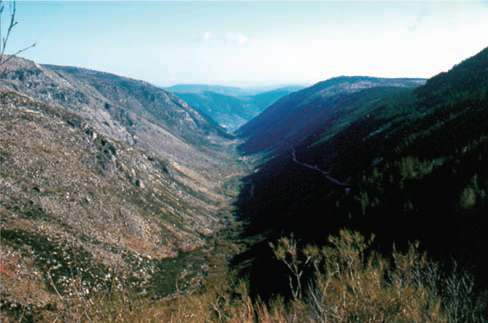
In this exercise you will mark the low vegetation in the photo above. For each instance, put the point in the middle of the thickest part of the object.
(342, 281)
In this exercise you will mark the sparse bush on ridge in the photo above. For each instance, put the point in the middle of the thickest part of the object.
(352, 283)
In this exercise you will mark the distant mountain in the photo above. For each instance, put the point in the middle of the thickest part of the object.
(406, 163)
(232, 111)
(229, 90)
(298, 115)
(99, 171)
(200, 88)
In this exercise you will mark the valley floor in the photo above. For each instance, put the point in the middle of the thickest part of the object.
(147, 212)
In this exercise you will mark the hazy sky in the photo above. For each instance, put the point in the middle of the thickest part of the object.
(253, 43)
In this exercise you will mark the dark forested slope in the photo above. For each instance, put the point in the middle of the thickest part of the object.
(405, 164)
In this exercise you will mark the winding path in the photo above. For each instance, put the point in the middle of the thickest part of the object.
(317, 169)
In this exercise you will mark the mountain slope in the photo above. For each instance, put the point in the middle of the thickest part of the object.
(113, 175)
(127, 110)
(406, 165)
(228, 111)
(299, 114)
(145, 100)
(265, 99)
(232, 111)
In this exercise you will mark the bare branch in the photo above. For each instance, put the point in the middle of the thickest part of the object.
(12, 23)
(20, 51)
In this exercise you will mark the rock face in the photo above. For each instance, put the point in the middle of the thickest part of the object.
(105, 171)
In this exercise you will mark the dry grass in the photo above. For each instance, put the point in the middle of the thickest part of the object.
(352, 284)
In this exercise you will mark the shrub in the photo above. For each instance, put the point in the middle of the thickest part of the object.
(412, 168)
(352, 283)
(472, 195)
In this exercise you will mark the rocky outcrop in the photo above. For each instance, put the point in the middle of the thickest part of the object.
(100, 172)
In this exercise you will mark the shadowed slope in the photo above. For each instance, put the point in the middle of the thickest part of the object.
(298, 115)
(415, 163)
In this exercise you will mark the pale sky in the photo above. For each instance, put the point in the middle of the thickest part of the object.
(253, 43)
